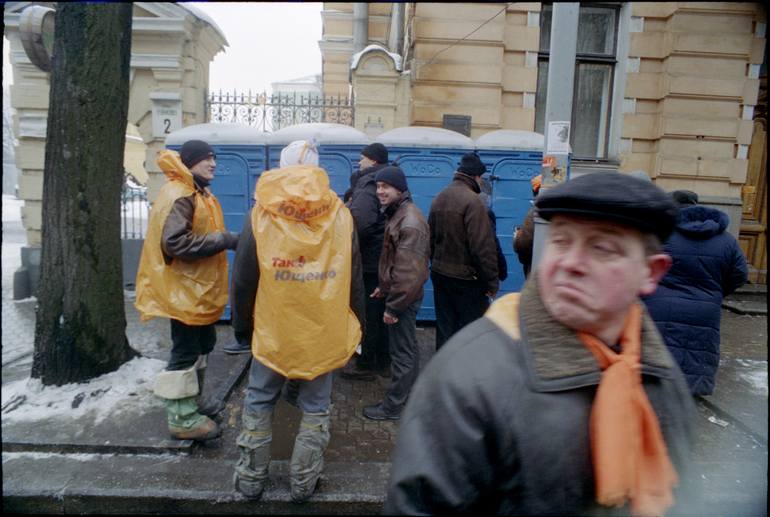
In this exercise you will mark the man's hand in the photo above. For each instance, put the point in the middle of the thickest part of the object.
(377, 293)
(389, 319)
(490, 294)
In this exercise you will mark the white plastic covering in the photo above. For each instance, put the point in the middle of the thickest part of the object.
(322, 132)
(419, 136)
(218, 134)
(357, 56)
(511, 140)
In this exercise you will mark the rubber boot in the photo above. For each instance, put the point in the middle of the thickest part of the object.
(185, 423)
(307, 457)
(253, 444)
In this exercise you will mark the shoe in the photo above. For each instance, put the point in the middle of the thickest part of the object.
(250, 489)
(377, 412)
(206, 429)
(237, 348)
(307, 456)
(357, 374)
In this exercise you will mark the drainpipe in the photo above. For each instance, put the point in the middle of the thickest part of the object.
(360, 26)
(396, 36)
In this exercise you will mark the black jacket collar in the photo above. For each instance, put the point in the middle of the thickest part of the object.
(466, 180)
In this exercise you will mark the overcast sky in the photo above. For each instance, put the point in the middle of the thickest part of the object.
(267, 42)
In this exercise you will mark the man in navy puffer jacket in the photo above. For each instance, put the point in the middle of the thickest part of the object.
(708, 265)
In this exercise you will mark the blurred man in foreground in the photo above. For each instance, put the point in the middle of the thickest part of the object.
(563, 399)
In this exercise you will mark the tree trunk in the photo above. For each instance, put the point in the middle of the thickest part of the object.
(80, 331)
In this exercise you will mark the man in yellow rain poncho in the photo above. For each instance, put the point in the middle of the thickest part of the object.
(183, 276)
(297, 295)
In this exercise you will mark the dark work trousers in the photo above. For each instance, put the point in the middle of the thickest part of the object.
(374, 349)
(458, 302)
(404, 358)
(188, 342)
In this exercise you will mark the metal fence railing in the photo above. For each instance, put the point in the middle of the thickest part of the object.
(134, 211)
(273, 112)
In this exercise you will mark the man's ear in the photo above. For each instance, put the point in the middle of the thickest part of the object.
(657, 267)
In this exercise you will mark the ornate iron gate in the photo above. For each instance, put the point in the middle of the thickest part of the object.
(276, 111)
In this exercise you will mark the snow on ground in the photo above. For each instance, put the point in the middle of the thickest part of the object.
(12, 208)
(128, 387)
(89, 456)
(755, 373)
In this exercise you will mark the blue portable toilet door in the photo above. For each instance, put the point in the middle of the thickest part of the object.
(231, 181)
(511, 200)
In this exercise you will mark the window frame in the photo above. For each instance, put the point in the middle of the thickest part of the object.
(591, 58)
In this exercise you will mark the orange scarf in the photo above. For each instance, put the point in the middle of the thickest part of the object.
(629, 454)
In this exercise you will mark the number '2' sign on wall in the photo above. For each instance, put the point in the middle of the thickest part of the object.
(166, 116)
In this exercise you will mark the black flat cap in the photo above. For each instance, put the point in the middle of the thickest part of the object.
(612, 196)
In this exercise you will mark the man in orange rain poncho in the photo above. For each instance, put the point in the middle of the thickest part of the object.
(297, 295)
(183, 276)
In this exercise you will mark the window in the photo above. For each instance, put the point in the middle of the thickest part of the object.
(595, 63)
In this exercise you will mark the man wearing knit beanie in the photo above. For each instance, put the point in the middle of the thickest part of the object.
(463, 252)
(183, 276)
(364, 206)
(403, 269)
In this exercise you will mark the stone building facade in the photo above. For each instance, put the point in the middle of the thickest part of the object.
(671, 88)
(171, 48)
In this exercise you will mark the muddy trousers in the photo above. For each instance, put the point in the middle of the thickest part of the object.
(263, 391)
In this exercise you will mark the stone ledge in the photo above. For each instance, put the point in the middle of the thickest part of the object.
(153, 486)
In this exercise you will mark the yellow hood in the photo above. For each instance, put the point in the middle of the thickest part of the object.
(299, 193)
(171, 164)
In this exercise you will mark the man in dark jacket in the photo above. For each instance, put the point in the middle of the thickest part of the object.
(687, 306)
(541, 407)
(370, 223)
(462, 250)
(403, 269)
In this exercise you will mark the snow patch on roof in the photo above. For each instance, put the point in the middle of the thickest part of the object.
(322, 132)
(215, 133)
(357, 56)
(511, 139)
(203, 16)
(419, 136)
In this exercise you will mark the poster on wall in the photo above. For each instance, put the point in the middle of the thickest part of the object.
(558, 137)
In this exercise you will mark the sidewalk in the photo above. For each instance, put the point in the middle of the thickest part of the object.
(102, 447)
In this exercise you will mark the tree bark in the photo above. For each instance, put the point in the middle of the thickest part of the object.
(80, 331)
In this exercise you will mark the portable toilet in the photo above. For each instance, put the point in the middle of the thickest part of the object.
(339, 149)
(513, 158)
(429, 157)
(241, 156)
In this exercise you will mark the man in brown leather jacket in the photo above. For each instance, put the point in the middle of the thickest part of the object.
(462, 251)
(403, 269)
